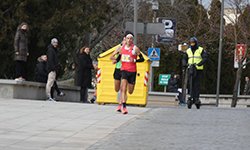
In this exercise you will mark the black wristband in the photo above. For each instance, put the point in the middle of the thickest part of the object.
(118, 58)
(141, 59)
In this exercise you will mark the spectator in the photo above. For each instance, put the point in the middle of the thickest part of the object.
(247, 86)
(41, 75)
(94, 97)
(84, 73)
(52, 67)
(21, 50)
(173, 87)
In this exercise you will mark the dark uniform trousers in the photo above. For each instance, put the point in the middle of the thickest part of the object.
(196, 84)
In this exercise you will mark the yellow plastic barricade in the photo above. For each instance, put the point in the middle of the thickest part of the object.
(106, 86)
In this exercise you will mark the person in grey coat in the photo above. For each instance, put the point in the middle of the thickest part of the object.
(21, 50)
(84, 73)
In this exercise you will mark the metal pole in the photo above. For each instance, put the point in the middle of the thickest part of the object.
(151, 81)
(144, 36)
(239, 88)
(220, 49)
(182, 85)
(135, 21)
(153, 38)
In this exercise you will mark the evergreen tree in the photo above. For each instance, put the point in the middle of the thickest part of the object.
(67, 20)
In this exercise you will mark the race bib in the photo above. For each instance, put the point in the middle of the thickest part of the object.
(125, 58)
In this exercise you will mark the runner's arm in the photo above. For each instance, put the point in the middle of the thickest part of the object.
(118, 58)
(138, 52)
(117, 50)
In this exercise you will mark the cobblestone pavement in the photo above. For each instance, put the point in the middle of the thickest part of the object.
(209, 128)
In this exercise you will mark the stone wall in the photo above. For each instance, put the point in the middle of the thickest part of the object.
(36, 91)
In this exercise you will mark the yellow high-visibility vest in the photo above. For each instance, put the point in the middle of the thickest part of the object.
(195, 58)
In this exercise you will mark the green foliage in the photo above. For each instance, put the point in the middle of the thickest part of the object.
(214, 11)
(170, 61)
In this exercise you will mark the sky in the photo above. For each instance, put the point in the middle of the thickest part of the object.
(206, 3)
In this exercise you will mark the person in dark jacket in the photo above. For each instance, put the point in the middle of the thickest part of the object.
(21, 50)
(247, 86)
(173, 86)
(41, 75)
(52, 67)
(84, 73)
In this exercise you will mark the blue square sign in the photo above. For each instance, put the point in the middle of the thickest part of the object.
(154, 53)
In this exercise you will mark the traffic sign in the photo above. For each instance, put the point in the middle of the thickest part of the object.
(151, 28)
(155, 63)
(154, 53)
(163, 79)
(182, 47)
(241, 51)
(170, 30)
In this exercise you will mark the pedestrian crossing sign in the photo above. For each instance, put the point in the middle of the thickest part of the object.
(154, 53)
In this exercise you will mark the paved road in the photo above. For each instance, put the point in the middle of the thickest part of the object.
(183, 129)
(39, 125)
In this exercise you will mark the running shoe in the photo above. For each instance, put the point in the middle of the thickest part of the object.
(124, 111)
(61, 94)
(182, 104)
(50, 99)
(22, 78)
(119, 108)
(18, 79)
(92, 100)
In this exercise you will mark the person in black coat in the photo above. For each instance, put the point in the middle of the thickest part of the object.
(84, 73)
(173, 86)
(52, 67)
(41, 75)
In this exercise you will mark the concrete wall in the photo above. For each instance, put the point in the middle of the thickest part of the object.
(225, 100)
(36, 91)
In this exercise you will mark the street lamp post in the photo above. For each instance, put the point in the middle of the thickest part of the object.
(220, 49)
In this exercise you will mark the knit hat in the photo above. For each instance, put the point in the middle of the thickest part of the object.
(54, 40)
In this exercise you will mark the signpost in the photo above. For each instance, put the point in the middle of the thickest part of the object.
(170, 30)
(182, 47)
(241, 51)
(151, 28)
(154, 54)
(163, 80)
(241, 48)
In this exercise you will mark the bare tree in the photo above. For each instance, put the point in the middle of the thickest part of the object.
(239, 19)
(110, 34)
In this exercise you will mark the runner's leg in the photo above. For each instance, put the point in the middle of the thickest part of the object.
(117, 85)
(131, 88)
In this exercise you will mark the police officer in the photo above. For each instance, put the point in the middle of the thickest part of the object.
(195, 55)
